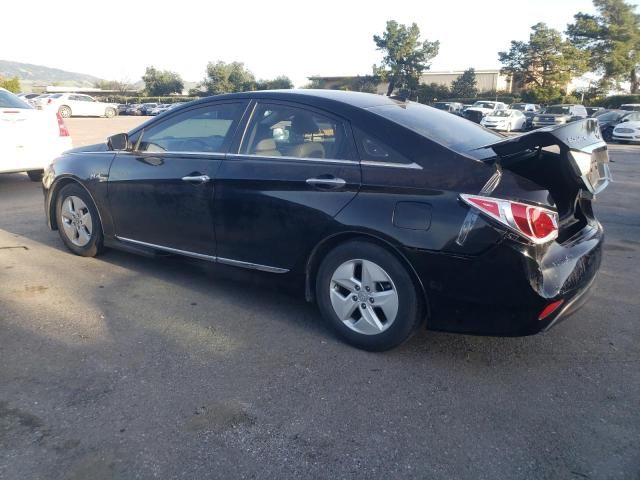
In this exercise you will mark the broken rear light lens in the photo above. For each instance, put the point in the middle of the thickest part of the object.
(537, 224)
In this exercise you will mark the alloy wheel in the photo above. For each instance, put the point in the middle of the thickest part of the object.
(76, 221)
(363, 296)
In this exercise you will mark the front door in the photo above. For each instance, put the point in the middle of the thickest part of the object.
(276, 198)
(161, 194)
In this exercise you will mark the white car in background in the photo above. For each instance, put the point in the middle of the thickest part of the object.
(481, 109)
(75, 104)
(29, 139)
(506, 120)
(627, 132)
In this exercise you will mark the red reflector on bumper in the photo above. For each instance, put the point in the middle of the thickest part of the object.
(549, 309)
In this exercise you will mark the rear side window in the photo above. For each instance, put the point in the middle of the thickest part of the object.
(452, 131)
(372, 149)
(9, 100)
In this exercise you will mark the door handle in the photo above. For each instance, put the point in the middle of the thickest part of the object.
(327, 182)
(196, 179)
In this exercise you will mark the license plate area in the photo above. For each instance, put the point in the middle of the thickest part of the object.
(591, 164)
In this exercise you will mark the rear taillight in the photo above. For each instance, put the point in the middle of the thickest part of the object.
(536, 224)
(62, 128)
(49, 101)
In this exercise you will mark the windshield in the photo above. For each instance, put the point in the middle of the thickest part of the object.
(500, 113)
(9, 100)
(452, 131)
(518, 106)
(558, 110)
(484, 105)
(630, 107)
(441, 105)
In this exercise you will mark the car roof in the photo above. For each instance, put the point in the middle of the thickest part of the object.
(312, 96)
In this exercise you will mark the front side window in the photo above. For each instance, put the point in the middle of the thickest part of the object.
(206, 130)
(279, 130)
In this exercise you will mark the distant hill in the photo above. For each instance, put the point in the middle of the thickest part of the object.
(40, 75)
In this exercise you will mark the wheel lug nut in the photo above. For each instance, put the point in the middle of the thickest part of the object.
(364, 305)
(367, 289)
(355, 298)
(357, 287)
(371, 300)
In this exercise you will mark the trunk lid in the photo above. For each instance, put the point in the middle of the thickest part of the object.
(580, 145)
(570, 161)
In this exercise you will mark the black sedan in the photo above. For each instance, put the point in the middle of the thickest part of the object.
(392, 214)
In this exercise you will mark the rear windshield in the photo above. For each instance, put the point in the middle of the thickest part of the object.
(9, 100)
(449, 130)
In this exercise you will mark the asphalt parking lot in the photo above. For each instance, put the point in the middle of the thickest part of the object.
(126, 367)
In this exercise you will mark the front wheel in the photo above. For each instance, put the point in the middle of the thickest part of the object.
(110, 113)
(78, 221)
(368, 296)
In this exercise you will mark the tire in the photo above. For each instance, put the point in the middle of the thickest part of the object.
(35, 175)
(64, 111)
(367, 319)
(81, 234)
(509, 127)
(110, 113)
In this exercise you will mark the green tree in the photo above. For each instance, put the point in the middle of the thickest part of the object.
(546, 64)
(613, 40)
(161, 82)
(405, 56)
(228, 78)
(279, 83)
(11, 84)
(466, 85)
(432, 92)
(119, 86)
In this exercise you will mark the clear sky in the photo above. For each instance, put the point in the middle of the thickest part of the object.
(117, 39)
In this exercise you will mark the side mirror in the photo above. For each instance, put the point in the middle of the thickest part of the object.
(119, 141)
(624, 120)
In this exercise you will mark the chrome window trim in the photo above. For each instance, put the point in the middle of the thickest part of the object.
(373, 163)
(210, 258)
(308, 159)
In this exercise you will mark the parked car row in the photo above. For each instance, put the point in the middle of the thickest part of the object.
(146, 108)
(526, 116)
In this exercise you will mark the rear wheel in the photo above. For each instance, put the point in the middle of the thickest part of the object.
(368, 297)
(35, 175)
(109, 113)
(64, 111)
(78, 221)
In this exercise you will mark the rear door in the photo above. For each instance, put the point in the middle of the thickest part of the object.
(162, 193)
(295, 169)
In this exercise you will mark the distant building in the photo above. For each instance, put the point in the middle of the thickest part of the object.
(488, 81)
